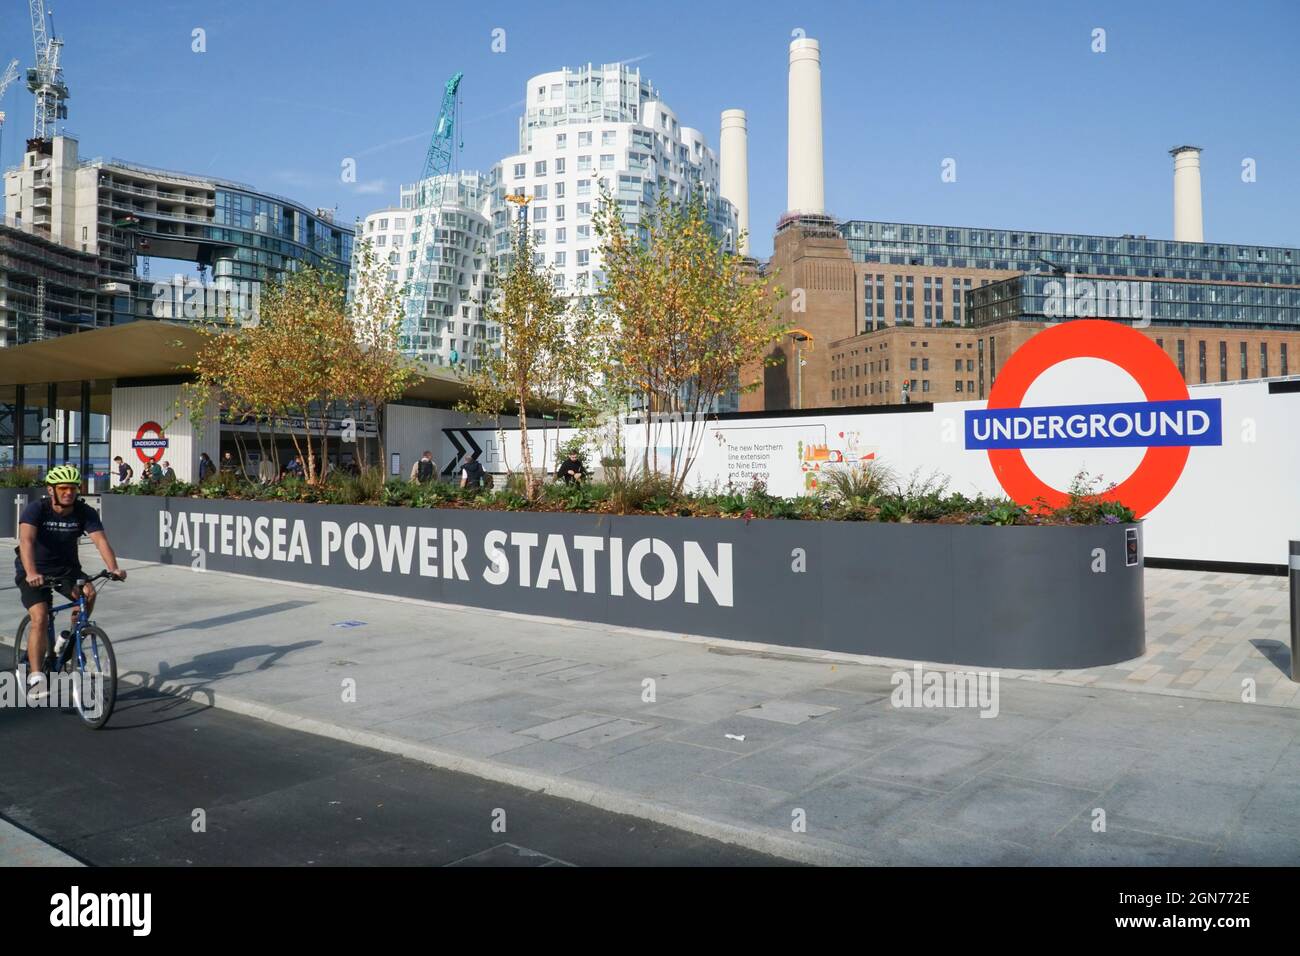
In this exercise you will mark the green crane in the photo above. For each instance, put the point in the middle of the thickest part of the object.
(428, 197)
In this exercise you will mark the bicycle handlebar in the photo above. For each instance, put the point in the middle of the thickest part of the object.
(78, 579)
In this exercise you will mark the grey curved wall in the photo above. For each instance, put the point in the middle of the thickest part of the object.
(986, 596)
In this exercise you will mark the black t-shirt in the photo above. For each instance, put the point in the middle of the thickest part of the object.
(569, 470)
(57, 535)
(473, 471)
(424, 470)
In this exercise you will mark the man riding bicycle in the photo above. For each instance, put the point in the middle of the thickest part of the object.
(48, 531)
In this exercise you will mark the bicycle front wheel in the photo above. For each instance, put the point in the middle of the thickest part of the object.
(20, 645)
(94, 692)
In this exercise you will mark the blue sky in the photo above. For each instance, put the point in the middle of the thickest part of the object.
(1046, 133)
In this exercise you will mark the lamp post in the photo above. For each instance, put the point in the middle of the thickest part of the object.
(800, 336)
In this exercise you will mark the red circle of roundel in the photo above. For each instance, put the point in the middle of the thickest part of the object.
(1121, 345)
(157, 452)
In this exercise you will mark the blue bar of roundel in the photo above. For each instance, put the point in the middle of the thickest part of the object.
(985, 419)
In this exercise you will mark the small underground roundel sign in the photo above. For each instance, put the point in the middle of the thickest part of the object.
(1167, 424)
(149, 442)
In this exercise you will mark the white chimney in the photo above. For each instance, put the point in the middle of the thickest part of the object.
(734, 146)
(805, 188)
(1187, 194)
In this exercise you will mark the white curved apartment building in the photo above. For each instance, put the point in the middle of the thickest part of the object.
(598, 122)
(457, 245)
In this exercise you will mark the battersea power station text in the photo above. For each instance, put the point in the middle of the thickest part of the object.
(649, 568)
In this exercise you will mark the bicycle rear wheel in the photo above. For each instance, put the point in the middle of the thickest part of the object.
(94, 691)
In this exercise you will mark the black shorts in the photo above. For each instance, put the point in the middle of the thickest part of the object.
(44, 595)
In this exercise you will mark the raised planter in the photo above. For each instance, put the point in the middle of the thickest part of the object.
(1033, 597)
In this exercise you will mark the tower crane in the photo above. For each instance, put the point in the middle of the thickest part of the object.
(428, 197)
(45, 80)
(6, 80)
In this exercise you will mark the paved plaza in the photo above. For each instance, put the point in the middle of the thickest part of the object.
(796, 754)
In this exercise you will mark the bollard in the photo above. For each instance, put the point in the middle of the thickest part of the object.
(20, 502)
(1294, 572)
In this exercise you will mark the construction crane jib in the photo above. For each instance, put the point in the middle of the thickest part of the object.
(428, 197)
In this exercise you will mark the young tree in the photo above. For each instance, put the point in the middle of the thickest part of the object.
(686, 317)
(375, 371)
(521, 370)
(290, 364)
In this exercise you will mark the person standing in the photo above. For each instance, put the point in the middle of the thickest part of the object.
(425, 469)
(155, 471)
(206, 468)
(472, 474)
(168, 473)
(124, 471)
(228, 464)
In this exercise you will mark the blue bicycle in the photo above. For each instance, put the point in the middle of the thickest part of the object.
(87, 657)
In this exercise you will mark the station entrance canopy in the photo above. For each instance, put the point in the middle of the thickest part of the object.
(143, 350)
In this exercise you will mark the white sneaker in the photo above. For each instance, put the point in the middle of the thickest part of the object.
(38, 687)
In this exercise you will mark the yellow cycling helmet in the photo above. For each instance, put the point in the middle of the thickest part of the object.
(63, 475)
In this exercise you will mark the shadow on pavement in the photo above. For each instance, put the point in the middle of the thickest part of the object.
(221, 620)
(1277, 654)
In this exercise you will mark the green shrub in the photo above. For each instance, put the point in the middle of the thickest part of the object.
(19, 478)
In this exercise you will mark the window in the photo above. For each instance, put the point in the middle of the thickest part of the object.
(584, 257)
(1182, 358)
(584, 187)
(521, 170)
(561, 235)
(539, 214)
(559, 190)
(912, 365)
(559, 166)
(959, 365)
(539, 236)
(561, 142)
(584, 232)
(584, 164)
(1263, 360)
(1282, 348)
(958, 385)
(1223, 361)
(1202, 357)
(539, 191)
(925, 365)
(559, 258)
(559, 213)
(584, 139)
(1243, 360)
(584, 209)
(383, 224)
(607, 137)
(925, 385)
(539, 168)
(606, 160)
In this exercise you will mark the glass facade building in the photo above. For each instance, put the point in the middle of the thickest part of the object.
(1066, 275)
(1021, 251)
(1046, 297)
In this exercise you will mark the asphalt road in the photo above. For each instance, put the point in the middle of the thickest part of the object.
(127, 796)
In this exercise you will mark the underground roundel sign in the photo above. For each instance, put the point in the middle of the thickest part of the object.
(149, 442)
(1168, 423)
